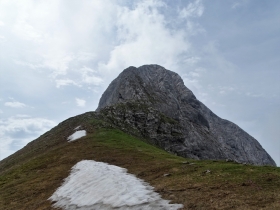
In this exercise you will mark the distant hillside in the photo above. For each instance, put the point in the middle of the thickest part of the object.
(30, 176)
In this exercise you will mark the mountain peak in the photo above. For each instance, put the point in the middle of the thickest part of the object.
(161, 108)
(149, 84)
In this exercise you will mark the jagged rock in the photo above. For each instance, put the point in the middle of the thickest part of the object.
(154, 103)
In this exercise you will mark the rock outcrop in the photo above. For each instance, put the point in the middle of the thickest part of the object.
(154, 103)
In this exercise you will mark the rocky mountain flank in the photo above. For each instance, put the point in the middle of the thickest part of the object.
(153, 103)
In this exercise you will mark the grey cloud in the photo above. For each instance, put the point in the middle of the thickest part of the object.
(18, 130)
(15, 104)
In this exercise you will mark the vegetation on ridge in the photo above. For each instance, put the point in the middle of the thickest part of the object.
(195, 184)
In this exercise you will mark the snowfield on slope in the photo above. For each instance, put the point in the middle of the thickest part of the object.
(98, 185)
(77, 135)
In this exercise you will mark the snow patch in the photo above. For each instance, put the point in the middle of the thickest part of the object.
(78, 127)
(97, 185)
(77, 135)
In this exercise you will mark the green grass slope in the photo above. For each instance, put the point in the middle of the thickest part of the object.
(30, 176)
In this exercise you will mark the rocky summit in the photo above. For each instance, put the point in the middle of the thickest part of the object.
(153, 103)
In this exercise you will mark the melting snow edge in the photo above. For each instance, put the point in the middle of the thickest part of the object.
(98, 185)
(77, 135)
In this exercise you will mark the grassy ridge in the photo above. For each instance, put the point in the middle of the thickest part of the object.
(195, 184)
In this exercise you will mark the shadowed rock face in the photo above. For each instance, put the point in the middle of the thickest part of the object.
(154, 103)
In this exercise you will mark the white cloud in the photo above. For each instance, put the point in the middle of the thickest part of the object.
(187, 14)
(103, 35)
(6, 149)
(64, 82)
(18, 130)
(226, 89)
(89, 76)
(191, 61)
(235, 5)
(145, 38)
(238, 4)
(54, 39)
(194, 74)
(15, 104)
(194, 9)
(30, 65)
(85, 56)
(212, 55)
(254, 95)
(192, 81)
(80, 102)
(25, 123)
(2, 38)
(26, 31)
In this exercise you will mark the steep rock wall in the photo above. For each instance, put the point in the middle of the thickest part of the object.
(155, 103)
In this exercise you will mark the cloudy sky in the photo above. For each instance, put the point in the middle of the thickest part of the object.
(58, 56)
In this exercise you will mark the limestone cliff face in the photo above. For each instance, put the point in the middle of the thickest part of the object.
(154, 103)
